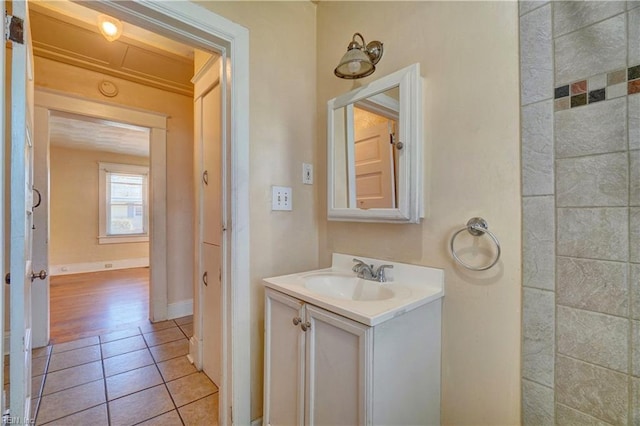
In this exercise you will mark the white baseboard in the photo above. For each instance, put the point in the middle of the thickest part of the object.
(180, 309)
(105, 265)
(257, 422)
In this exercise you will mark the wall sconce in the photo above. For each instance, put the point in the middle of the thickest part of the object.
(110, 28)
(360, 59)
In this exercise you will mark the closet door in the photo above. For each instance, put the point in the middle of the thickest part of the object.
(211, 160)
(211, 313)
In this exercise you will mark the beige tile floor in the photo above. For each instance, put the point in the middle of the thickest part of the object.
(138, 376)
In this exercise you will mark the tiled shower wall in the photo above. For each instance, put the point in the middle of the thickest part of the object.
(580, 102)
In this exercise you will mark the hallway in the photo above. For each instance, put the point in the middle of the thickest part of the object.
(135, 376)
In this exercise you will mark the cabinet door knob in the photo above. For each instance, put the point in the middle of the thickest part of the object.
(306, 326)
(297, 320)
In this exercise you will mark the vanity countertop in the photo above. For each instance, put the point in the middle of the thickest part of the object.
(411, 286)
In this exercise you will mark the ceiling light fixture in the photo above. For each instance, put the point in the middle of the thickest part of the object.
(110, 28)
(360, 59)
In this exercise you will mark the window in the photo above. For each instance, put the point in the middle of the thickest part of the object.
(124, 205)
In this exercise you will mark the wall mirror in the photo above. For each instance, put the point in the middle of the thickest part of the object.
(375, 151)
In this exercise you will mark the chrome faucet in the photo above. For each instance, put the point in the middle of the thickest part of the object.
(367, 272)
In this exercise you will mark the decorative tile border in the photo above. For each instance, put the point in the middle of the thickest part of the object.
(610, 85)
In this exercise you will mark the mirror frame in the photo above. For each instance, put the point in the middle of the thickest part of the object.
(409, 193)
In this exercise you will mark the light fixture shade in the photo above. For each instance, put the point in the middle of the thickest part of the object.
(354, 64)
(360, 59)
(110, 28)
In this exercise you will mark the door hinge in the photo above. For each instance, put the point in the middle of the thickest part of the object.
(231, 410)
(14, 28)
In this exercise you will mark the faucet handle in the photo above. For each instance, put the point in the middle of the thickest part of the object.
(380, 275)
(358, 265)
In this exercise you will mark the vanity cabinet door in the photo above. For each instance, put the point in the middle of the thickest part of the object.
(283, 360)
(338, 369)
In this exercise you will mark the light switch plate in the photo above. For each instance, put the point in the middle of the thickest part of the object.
(281, 198)
(307, 173)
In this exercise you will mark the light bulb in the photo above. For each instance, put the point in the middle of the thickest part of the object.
(354, 67)
(109, 28)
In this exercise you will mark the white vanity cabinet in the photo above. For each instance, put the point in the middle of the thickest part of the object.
(322, 368)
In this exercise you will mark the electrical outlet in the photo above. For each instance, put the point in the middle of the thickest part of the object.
(281, 198)
(108, 265)
(307, 173)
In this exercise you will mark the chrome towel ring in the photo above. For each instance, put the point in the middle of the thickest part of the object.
(477, 227)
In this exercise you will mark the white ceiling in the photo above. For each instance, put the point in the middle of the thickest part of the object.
(96, 135)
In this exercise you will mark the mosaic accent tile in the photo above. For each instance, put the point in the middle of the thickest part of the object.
(617, 90)
(633, 73)
(565, 103)
(597, 81)
(615, 77)
(634, 87)
(578, 87)
(562, 91)
(597, 95)
(578, 100)
(592, 50)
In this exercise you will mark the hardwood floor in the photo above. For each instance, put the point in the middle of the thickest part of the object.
(91, 304)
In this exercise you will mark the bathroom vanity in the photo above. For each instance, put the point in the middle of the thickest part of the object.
(341, 350)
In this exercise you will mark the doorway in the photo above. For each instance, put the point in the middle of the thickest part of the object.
(197, 26)
(99, 227)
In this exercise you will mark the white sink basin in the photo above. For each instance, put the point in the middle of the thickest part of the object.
(346, 287)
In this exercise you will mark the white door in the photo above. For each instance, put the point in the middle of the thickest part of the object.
(338, 366)
(375, 186)
(283, 360)
(21, 215)
(211, 313)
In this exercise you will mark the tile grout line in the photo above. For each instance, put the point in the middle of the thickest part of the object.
(164, 382)
(104, 381)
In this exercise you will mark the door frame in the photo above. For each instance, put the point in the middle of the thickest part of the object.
(199, 27)
(47, 103)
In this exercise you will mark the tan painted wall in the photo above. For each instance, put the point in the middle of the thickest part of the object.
(65, 78)
(468, 52)
(74, 208)
(283, 136)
